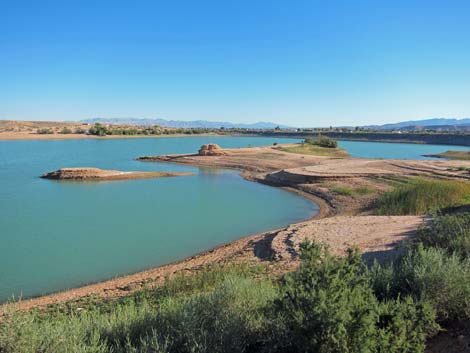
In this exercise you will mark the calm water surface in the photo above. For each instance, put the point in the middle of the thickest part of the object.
(385, 150)
(58, 235)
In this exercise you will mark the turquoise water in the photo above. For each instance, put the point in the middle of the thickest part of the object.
(58, 235)
(385, 150)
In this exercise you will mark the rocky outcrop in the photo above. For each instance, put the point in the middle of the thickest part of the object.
(211, 149)
(101, 174)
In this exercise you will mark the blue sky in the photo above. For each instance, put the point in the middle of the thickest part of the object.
(302, 63)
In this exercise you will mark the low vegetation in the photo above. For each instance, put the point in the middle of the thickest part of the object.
(436, 269)
(315, 150)
(318, 146)
(449, 232)
(352, 192)
(322, 141)
(65, 130)
(45, 131)
(328, 305)
(422, 196)
(99, 130)
(430, 275)
(103, 130)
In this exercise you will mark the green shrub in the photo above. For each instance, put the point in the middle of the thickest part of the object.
(322, 141)
(421, 196)
(353, 192)
(99, 130)
(404, 325)
(429, 275)
(364, 190)
(220, 310)
(45, 131)
(343, 190)
(228, 319)
(79, 131)
(450, 232)
(29, 333)
(65, 130)
(328, 305)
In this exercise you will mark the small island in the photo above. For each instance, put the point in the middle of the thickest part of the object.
(96, 174)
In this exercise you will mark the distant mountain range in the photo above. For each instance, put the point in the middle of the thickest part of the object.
(437, 122)
(183, 124)
(443, 123)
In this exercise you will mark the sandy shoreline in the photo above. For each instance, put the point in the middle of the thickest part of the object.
(310, 176)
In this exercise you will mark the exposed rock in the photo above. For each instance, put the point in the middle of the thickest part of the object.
(101, 174)
(211, 149)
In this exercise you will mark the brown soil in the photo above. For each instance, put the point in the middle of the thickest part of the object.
(95, 174)
(312, 168)
(376, 236)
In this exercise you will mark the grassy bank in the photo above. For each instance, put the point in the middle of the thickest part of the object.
(330, 304)
(315, 150)
(352, 191)
(421, 196)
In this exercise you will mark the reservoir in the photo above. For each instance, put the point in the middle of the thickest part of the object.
(58, 235)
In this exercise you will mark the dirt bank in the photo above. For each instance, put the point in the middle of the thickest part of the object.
(458, 155)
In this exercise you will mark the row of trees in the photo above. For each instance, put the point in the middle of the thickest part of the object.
(102, 130)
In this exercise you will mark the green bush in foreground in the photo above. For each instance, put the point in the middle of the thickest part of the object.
(211, 313)
(228, 319)
(328, 305)
(421, 196)
(429, 275)
(450, 232)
